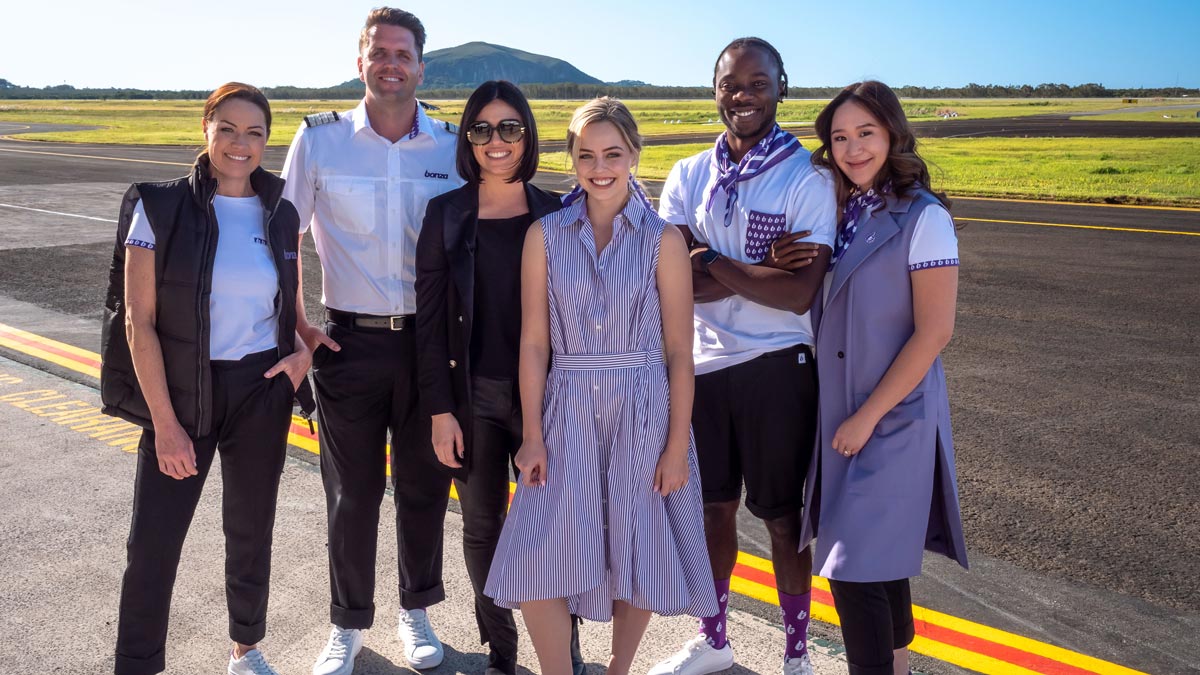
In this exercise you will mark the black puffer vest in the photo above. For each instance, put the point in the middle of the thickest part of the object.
(181, 215)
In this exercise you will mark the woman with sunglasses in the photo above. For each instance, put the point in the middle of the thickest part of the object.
(469, 325)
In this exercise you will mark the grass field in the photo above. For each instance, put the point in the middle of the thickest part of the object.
(177, 122)
(1150, 171)
(1128, 170)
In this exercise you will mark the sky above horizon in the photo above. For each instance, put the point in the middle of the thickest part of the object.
(168, 45)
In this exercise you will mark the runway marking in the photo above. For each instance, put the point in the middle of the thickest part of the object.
(79, 416)
(944, 637)
(106, 157)
(57, 213)
(1187, 209)
(1081, 227)
(566, 172)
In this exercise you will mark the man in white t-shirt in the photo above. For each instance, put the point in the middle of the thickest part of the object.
(361, 180)
(755, 407)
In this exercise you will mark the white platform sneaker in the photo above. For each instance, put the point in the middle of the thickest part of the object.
(696, 657)
(422, 648)
(337, 658)
(252, 663)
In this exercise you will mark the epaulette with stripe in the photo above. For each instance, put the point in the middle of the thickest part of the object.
(451, 127)
(317, 119)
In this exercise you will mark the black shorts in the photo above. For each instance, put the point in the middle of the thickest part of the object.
(756, 422)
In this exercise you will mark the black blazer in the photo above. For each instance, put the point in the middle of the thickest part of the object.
(445, 287)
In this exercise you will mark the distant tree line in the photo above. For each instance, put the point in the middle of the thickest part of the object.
(574, 91)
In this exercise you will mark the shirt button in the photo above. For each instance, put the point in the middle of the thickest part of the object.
(460, 319)
(596, 387)
(597, 415)
(599, 327)
(453, 363)
(841, 355)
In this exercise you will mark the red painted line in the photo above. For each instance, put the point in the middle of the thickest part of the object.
(1013, 655)
(1017, 657)
(302, 430)
(50, 348)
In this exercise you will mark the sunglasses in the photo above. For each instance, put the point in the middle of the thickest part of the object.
(511, 131)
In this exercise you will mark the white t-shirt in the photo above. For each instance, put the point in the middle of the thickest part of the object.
(934, 243)
(790, 197)
(365, 197)
(241, 309)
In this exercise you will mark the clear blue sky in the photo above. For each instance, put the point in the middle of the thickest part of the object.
(198, 45)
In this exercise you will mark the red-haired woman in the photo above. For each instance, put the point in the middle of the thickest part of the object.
(201, 350)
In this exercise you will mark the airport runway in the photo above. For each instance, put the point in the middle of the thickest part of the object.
(1073, 378)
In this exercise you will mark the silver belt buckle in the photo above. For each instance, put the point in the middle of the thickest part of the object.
(396, 322)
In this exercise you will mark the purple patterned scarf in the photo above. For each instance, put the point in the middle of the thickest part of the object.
(858, 208)
(634, 187)
(768, 152)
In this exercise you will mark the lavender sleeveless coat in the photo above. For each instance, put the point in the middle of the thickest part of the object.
(874, 514)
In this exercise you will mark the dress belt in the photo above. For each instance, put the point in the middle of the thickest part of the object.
(607, 361)
(355, 321)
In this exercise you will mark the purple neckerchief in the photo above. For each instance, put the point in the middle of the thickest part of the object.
(634, 187)
(416, 122)
(766, 153)
(858, 208)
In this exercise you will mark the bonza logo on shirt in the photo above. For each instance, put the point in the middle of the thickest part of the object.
(434, 174)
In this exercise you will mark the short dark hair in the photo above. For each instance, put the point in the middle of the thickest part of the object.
(496, 90)
(747, 42)
(390, 16)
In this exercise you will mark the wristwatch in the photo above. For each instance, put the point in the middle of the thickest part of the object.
(710, 256)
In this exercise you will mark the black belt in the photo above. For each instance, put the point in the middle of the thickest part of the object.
(355, 321)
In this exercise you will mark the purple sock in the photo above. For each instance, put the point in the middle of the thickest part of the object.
(795, 622)
(713, 627)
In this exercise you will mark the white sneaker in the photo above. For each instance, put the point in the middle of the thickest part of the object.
(337, 658)
(696, 657)
(798, 666)
(421, 647)
(251, 663)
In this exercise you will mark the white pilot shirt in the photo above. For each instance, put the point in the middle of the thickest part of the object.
(790, 197)
(364, 198)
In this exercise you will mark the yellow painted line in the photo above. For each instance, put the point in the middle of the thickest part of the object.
(114, 433)
(939, 650)
(966, 658)
(1081, 227)
(1187, 209)
(1022, 643)
(10, 342)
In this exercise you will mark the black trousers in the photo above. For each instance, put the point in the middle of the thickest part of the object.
(251, 416)
(365, 391)
(876, 619)
(496, 438)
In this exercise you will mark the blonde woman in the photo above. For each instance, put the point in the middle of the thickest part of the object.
(607, 519)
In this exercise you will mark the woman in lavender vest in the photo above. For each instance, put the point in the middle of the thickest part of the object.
(881, 489)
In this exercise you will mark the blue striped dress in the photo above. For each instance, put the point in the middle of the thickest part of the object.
(596, 531)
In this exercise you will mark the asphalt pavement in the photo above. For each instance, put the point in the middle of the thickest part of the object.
(64, 553)
(1073, 379)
